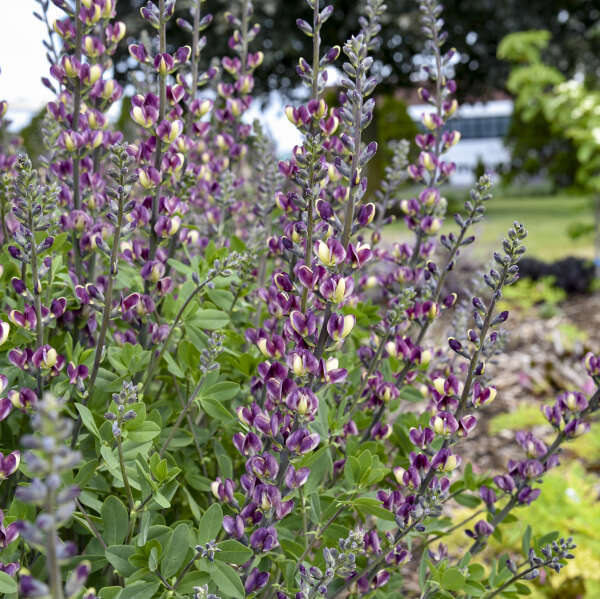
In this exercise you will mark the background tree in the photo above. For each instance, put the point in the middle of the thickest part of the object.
(474, 26)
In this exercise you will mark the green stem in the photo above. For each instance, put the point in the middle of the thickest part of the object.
(75, 127)
(125, 477)
(349, 213)
(181, 416)
(319, 532)
(91, 524)
(195, 57)
(113, 270)
(162, 93)
(309, 192)
(189, 419)
(244, 53)
(516, 577)
(156, 359)
(52, 563)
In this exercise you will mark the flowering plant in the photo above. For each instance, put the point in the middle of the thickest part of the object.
(220, 375)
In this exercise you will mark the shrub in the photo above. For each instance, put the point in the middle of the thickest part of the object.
(572, 274)
(210, 402)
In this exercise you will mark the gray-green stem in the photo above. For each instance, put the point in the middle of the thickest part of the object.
(108, 293)
(156, 360)
(195, 37)
(75, 127)
(162, 94)
(128, 491)
(52, 564)
(309, 195)
(181, 416)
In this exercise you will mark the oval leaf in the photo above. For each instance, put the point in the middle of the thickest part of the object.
(210, 524)
(115, 519)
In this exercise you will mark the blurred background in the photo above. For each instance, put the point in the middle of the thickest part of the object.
(526, 75)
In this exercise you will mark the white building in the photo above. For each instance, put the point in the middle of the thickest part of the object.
(482, 126)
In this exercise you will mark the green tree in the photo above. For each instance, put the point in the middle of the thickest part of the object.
(474, 26)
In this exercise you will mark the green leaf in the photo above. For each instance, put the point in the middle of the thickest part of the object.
(227, 579)
(215, 409)
(175, 551)
(7, 584)
(139, 590)
(118, 557)
(291, 548)
(411, 394)
(210, 320)
(467, 500)
(88, 420)
(147, 431)
(109, 592)
(172, 366)
(233, 552)
(453, 580)
(476, 571)
(423, 570)
(369, 505)
(115, 519)
(526, 542)
(153, 559)
(223, 391)
(522, 589)
(547, 538)
(210, 524)
(222, 298)
(476, 589)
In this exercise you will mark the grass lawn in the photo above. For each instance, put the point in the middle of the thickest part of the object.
(547, 219)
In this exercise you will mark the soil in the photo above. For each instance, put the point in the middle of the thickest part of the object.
(543, 357)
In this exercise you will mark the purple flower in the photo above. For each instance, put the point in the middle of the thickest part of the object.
(303, 402)
(248, 444)
(359, 254)
(296, 478)
(336, 288)
(234, 526)
(533, 446)
(10, 568)
(223, 490)
(572, 401)
(340, 326)
(264, 539)
(576, 428)
(304, 324)
(365, 214)
(421, 437)
(256, 580)
(31, 587)
(488, 496)
(263, 466)
(301, 441)
(445, 461)
(592, 364)
(77, 373)
(330, 252)
(466, 425)
(9, 464)
(482, 529)
(9, 533)
(505, 483)
(444, 423)
(527, 495)
(77, 578)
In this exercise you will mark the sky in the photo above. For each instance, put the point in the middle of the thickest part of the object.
(23, 63)
(22, 60)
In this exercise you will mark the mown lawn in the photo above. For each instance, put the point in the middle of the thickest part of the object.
(547, 218)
